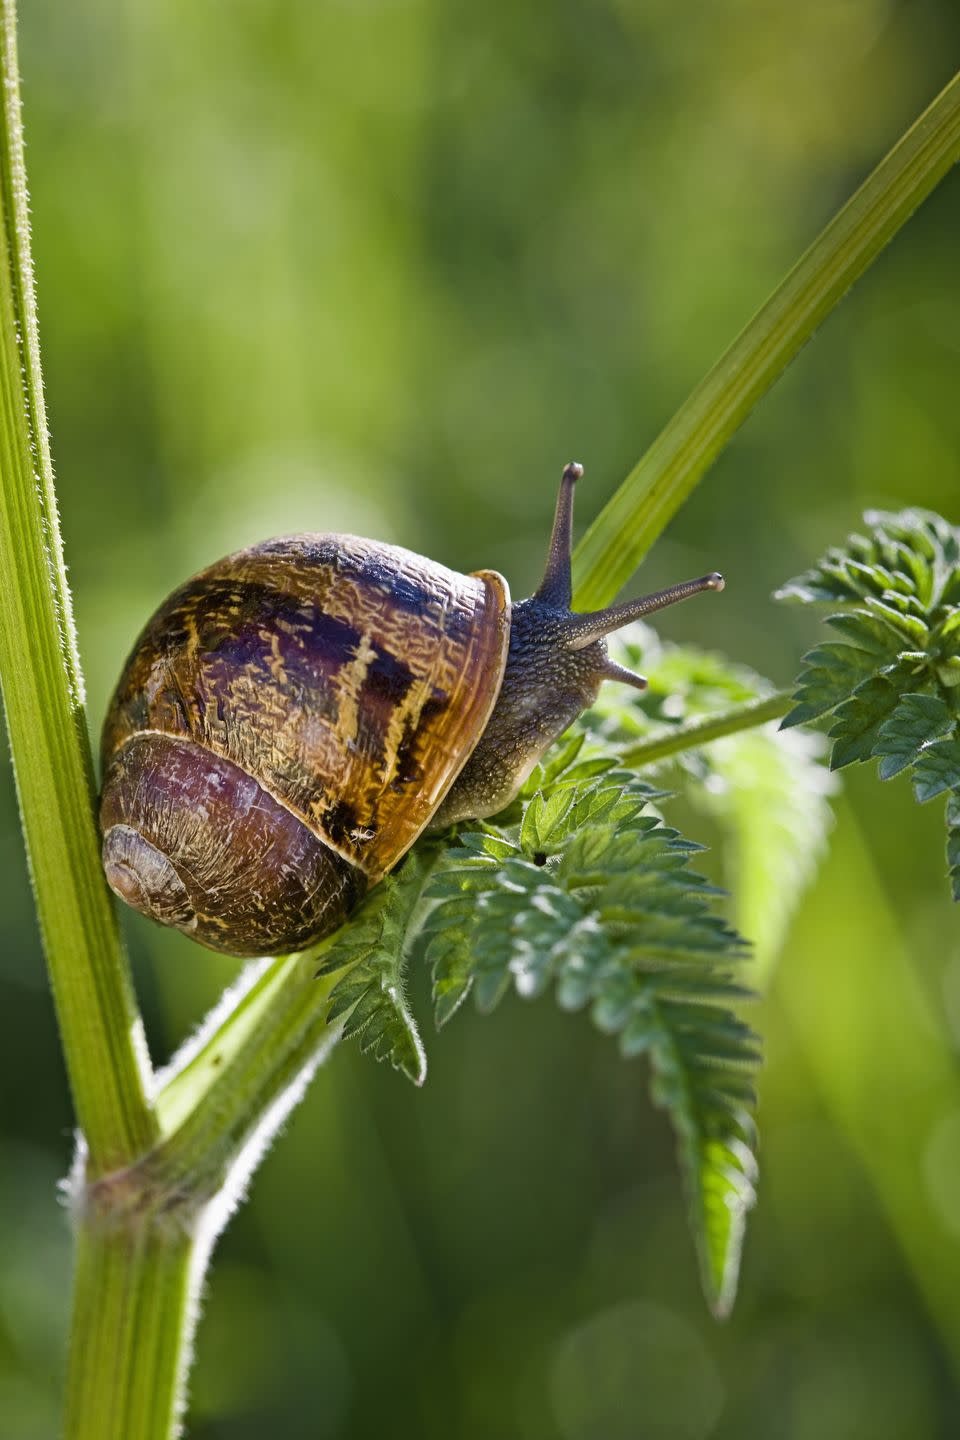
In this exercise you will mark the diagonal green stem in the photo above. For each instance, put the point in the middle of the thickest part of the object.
(212, 1104)
(43, 698)
(256, 1059)
(705, 728)
(657, 486)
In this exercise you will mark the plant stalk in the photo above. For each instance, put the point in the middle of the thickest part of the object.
(677, 460)
(704, 728)
(135, 1285)
(160, 1176)
(145, 1234)
(43, 698)
(229, 1089)
(260, 1058)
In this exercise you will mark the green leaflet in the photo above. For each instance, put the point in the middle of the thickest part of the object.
(829, 670)
(953, 843)
(937, 768)
(373, 949)
(917, 720)
(768, 790)
(891, 688)
(771, 792)
(585, 890)
(859, 720)
(912, 554)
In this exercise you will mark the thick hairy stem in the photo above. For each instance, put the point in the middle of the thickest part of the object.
(135, 1291)
(146, 1233)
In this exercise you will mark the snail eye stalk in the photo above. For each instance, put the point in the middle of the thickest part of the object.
(583, 629)
(556, 587)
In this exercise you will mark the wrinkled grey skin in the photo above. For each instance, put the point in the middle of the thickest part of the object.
(556, 663)
(545, 687)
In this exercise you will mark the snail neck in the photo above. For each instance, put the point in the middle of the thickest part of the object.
(546, 685)
(555, 665)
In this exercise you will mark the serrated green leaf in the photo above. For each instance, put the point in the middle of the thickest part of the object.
(769, 791)
(369, 998)
(895, 613)
(866, 632)
(950, 625)
(488, 844)
(902, 583)
(953, 843)
(614, 917)
(364, 1006)
(937, 769)
(544, 820)
(917, 719)
(858, 720)
(448, 955)
(911, 554)
(830, 673)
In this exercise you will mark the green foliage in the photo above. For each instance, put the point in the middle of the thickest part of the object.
(767, 790)
(953, 844)
(917, 721)
(372, 950)
(892, 686)
(583, 887)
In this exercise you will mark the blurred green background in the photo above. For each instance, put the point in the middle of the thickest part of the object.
(383, 266)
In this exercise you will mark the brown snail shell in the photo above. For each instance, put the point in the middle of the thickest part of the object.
(286, 726)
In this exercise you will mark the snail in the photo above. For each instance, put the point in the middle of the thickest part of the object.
(291, 719)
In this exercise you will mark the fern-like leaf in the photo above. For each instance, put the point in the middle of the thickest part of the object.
(953, 843)
(585, 889)
(917, 721)
(768, 790)
(370, 995)
(892, 687)
(937, 768)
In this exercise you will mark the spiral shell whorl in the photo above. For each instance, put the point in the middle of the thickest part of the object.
(143, 876)
(191, 840)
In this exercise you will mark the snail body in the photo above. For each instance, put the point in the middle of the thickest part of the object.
(292, 718)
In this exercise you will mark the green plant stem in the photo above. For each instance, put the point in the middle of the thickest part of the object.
(133, 1284)
(145, 1234)
(254, 1063)
(43, 699)
(271, 1042)
(655, 489)
(705, 728)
